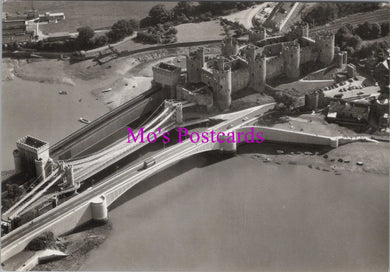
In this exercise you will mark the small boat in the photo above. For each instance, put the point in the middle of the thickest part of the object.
(85, 121)
(108, 90)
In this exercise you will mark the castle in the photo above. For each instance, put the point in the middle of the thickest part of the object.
(211, 81)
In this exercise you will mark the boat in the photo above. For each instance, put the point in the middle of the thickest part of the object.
(85, 121)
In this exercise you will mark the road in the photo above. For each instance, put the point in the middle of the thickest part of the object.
(245, 17)
(133, 172)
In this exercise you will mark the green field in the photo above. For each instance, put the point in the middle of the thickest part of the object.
(96, 14)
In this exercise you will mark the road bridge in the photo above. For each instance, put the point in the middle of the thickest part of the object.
(78, 210)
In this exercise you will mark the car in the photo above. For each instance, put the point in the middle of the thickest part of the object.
(245, 118)
(350, 80)
(360, 93)
(229, 126)
(149, 163)
(85, 121)
(108, 90)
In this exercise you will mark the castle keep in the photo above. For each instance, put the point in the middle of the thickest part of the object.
(212, 80)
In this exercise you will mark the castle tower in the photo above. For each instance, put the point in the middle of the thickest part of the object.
(222, 89)
(291, 57)
(195, 63)
(257, 69)
(229, 47)
(32, 156)
(325, 47)
(303, 30)
(257, 35)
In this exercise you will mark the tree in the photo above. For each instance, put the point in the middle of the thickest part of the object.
(120, 29)
(134, 24)
(375, 30)
(183, 8)
(159, 14)
(85, 34)
(385, 28)
(101, 41)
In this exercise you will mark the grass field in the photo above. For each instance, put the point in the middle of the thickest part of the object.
(96, 14)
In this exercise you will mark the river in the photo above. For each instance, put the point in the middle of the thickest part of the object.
(244, 214)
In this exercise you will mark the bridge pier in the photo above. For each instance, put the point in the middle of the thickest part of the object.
(228, 147)
(99, 209)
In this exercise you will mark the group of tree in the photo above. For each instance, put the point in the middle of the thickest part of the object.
(44, 241)
(161, 33)
(327, 12)
(10, 194)
(186, 11)
(351, 38)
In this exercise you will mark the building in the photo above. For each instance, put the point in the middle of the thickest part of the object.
(381, 75)
(252, 65)
(353, 112)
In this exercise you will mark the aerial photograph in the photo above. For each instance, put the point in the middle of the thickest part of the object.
(195, 136)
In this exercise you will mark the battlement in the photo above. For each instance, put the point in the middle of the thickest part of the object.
(324, 35)
(257, 35)
(290, 46)
(32, 144)
(198, 54)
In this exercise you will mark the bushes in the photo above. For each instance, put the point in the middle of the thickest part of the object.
(350, 38)
(122, 29)
(162, 33)
(44, 241)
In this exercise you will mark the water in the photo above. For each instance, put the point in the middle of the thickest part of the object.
(36, 109)
(243, 214)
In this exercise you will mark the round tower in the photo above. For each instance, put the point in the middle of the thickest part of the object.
(17, 161)
(291, 59)
(222, 86)
(257, 72)
(325, 46)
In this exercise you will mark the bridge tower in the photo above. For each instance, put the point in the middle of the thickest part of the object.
(195, 63)
(177, 107)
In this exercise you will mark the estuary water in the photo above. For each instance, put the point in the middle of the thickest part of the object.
(244, 214)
